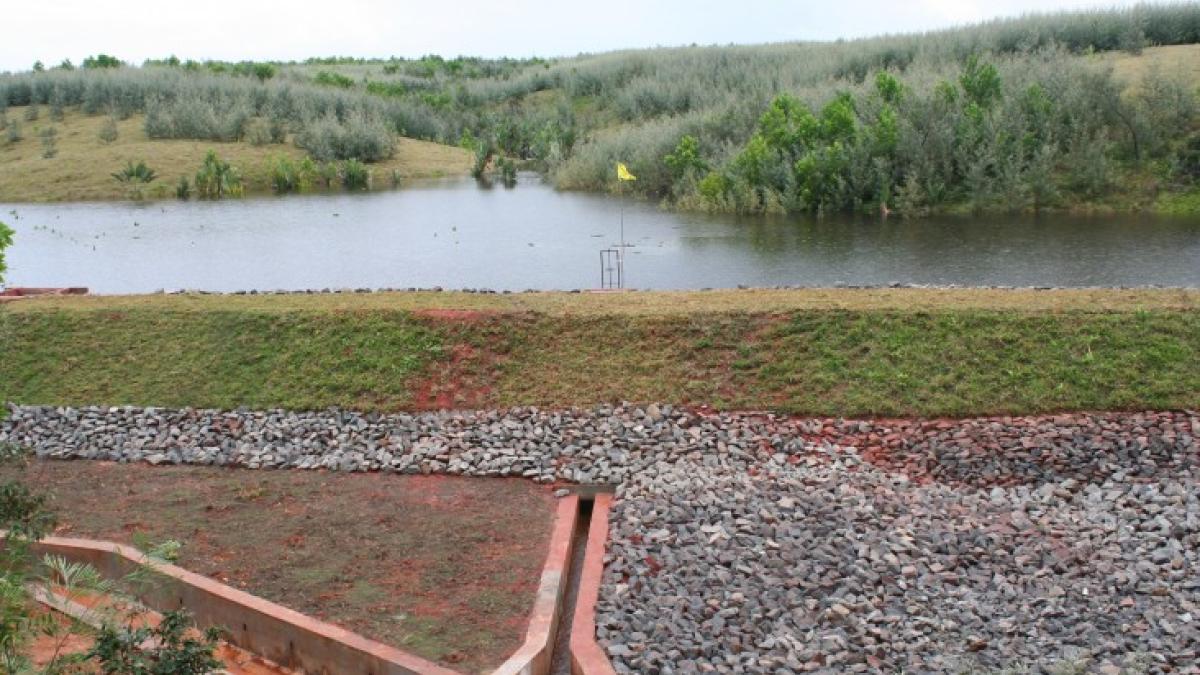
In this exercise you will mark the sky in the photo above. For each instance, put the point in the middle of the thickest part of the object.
(132, 30)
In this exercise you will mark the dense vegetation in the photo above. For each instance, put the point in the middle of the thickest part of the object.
(1007, 114)
(821, 352)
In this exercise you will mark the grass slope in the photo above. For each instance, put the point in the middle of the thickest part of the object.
(850, 353)
(83, 167)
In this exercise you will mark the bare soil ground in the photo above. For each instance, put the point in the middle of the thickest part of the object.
(443, 567)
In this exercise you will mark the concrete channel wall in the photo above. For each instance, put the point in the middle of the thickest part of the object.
(299, 642)
(289, 638)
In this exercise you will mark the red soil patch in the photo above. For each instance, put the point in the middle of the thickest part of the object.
(444, 567)
(458, 383)
(455, 314)
(465, 377)
(46, 648)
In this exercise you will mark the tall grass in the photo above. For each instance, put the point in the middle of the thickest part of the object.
(199, 105)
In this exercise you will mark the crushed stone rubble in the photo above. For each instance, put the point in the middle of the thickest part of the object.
(757, 543)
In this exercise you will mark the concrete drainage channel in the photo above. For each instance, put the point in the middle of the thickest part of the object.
(562, 633)
(575, 648)
(560, 638)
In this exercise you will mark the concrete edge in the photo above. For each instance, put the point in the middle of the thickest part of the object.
(233, 657)
(284, 636)
(535, 655)
(587, 658)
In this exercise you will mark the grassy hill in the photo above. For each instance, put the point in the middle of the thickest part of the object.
(827, 352)
(83, 166)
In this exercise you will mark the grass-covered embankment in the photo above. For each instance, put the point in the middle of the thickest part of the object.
(880, 352)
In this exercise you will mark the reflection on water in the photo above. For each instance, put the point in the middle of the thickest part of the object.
(455, 235)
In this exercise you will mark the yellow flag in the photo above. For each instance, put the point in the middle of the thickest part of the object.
(623, 173)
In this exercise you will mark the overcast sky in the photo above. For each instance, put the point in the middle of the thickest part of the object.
(52, 30)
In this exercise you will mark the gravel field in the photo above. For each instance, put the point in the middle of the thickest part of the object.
(750, 543)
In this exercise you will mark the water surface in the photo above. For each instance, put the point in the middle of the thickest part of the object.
(455, 234)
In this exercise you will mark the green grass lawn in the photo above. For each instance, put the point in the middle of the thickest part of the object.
(815, 352)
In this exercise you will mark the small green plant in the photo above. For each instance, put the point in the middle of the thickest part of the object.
(135, 173)
(328, 173)
(483, 156)
(135, 177)
(508, 171)
(13, 133)
(686, 158)
(183, 188)
(333, 79)
(31, 112)
(397, 179)
(218, 178)
(1185, 166)
(108, 130)
(6, 240)
(288, 176)
(49, 137)
(25, 518)
(355, 175)
(172, 651)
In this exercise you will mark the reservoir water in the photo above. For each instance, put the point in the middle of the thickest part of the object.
(454, 233)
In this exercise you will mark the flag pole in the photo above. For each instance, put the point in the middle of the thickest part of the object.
(621, 248)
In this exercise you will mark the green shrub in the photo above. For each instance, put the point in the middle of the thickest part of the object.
(24, 514)
(102, 61)
(355, 175)
(288, 176)
(328, 172)
(360, 137)
(394, 89)
(31, 113)
(258, 132)
(1185, 167)
(6, 240)
(183, 189)
(333, 79)
(108, 130)
(49, 137)
(263, 71)
(508, 171)
(171, 650)
(483, 156)
(135, 177)
(196, 118)
(135, 173)
(218, 178)
(686, 158)
(13, 131)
